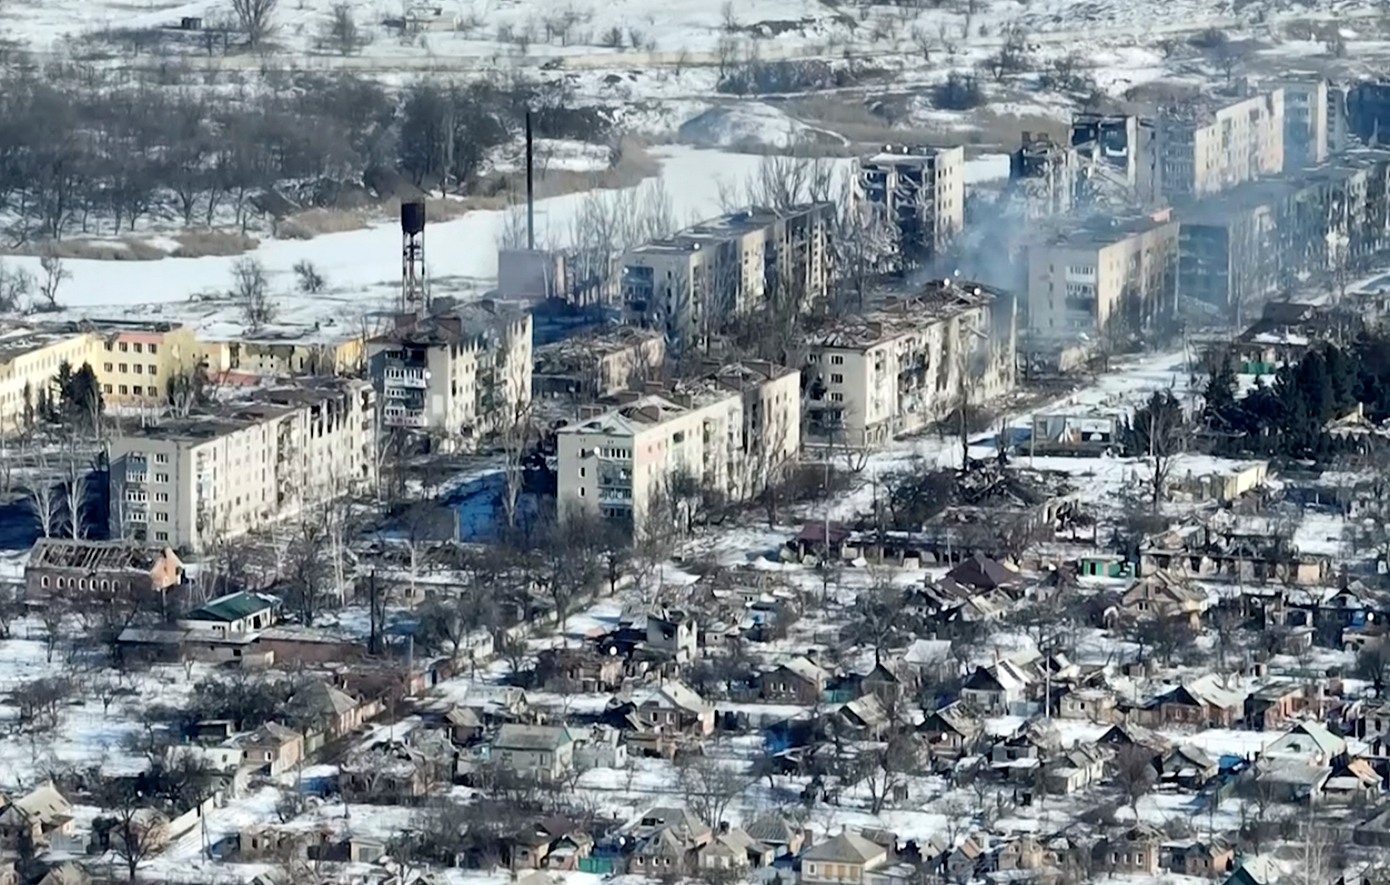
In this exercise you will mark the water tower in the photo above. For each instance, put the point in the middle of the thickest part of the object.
(414, 289)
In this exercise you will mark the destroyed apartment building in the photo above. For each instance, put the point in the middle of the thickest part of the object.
(1210, 145)
(1042, 176)
(917, 195)
(459, 374)
(597, 363)
(1239, 248)
(688, 285)
(908, 363)
(1116, 160)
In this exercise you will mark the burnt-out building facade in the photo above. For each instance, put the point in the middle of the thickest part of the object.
(1116, 159)
(1368, 111)
(1042, 176)
(1241, 248)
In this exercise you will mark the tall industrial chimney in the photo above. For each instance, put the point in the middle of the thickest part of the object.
(530, 191)
(414, 289)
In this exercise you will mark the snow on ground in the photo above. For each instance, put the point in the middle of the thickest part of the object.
(750, 123)
(85, 734)
(1117, 392)
(363, 266)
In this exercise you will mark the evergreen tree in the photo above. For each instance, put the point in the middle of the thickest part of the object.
(1220, 396)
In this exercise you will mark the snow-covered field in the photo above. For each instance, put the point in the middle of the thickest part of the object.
(363, 266)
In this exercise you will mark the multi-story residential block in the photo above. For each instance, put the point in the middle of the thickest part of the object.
(598, 362)
(1305, 120)
(1042, 173)
(689, 285)
(730, 431)
(629, 464)
(460, 376)
(1207, 147)
(134, 360)
(184, 482)
(281, 356)
(1338, 132)
(29, 361)
(1116, 157)
(918, 194)
(896, 369)
(771, 413)
(1108, 273)
(1242, 248)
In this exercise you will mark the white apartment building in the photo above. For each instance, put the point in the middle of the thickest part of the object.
(771, 414)
(626, 464)
(917, 194)
(896, 369)
(184, 482)
(29, 361)
(689, 285)
(459, 376)
(1083, 279)
(1306, 123)
(731, 431)
(1206, 149)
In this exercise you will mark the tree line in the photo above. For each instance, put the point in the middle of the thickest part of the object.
(83, 151)
(1287, 415)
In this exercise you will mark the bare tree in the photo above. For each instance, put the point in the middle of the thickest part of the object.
(251, 290)
(310, 281)
(709, 786)
(256, 18)
(1135, 774)
(16, 285)
(342, 34)
(42, 497)
(136, 831)
(881, 771)
(76, 488)
(54, 274)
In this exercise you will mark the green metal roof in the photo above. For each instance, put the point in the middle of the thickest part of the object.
(233, 607)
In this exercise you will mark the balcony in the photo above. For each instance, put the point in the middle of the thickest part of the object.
(138, 516)
(138, 477)
(405, 419)
(417, 380)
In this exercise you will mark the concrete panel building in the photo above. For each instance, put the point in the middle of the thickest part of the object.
(459, 375)
(898, 368)
(1116, 159)
(29, 361)
(1306, 121)
(183, 482)
(134, 361)
(627, 464)
(598, 362)
(689, 285)
(917, 195)
(1090, 277)
(731, 431)
(1042, 174)
(1208, 147)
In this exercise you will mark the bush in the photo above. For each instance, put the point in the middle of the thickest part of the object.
(960, 92)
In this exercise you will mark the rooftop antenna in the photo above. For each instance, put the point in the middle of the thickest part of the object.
(530, 191)
(414, 292)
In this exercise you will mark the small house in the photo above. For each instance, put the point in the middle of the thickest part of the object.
(798, 680)
(233, 614)
(842, 860)
(545, 752)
